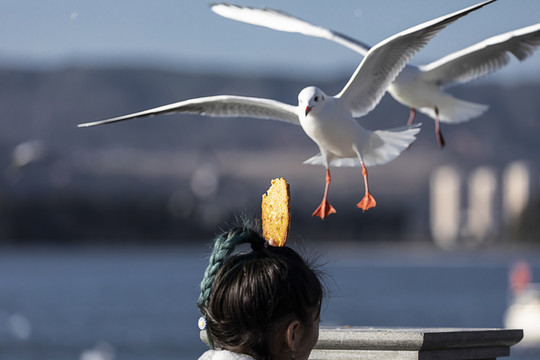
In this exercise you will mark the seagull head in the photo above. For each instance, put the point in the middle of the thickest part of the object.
(310, 98)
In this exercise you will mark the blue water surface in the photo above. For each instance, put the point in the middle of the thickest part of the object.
(139, 303)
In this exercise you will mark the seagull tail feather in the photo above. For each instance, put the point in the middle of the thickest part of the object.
(386, 145)
(382, 146)
(455, 111)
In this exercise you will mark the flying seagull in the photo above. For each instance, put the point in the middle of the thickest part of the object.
(330, 120)
(417, 87)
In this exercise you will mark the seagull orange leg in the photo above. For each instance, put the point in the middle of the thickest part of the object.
(367, 201)
(411, 117)
(438, 132)
(325, 208)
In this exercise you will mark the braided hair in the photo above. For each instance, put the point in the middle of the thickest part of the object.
(246, 297)
(224, 245)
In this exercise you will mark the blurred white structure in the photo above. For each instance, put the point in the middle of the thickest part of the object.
(480, 216)
(445, 193)
(205, 180)
(516, 190)
(486, 202)
(19, 326)
(27, 152)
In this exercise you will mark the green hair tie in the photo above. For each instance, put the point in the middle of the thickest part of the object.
(224, 246)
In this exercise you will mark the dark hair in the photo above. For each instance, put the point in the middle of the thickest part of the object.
(255, 293)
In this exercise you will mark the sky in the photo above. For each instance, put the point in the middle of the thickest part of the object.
(185, 34)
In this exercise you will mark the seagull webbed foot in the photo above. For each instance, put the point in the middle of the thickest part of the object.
(324, 210)
(367, 202)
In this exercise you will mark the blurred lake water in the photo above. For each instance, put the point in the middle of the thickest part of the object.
(139, 303)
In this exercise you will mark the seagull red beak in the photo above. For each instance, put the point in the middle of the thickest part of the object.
(308, 109)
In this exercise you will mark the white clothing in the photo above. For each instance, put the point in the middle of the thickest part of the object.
(223, 355)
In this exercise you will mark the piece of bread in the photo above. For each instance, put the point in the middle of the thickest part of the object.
(276, 212)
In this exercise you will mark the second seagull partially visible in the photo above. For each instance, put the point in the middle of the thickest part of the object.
(330, 120)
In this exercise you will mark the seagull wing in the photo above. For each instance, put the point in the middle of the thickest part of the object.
(219, 106)
(482, 58)
(385, 60)
(279, 20)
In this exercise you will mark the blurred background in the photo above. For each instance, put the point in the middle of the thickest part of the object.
(104, 231)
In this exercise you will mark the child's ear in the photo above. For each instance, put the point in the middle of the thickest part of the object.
(293, 334)
(285, 342)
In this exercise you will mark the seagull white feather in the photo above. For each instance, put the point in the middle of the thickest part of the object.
(417, 87)
(330, 120)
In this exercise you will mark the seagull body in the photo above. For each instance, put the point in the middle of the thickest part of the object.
(330, 120)
(417, 87)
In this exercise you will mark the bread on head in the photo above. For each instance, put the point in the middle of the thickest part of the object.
(276, 212)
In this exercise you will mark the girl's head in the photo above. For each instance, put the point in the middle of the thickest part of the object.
(264, 303)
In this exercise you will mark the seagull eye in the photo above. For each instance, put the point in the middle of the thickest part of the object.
(316, 98)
